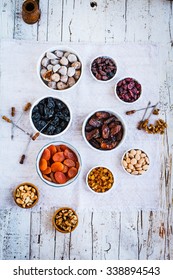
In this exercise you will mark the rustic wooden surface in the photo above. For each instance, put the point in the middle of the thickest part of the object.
(101, 235)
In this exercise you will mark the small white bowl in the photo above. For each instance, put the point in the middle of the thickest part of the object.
(122, 101)
(45, 135)
(100, 193)
(64, 49)
(102, 81)
(136, 175)
(111, 112)
(39, 157)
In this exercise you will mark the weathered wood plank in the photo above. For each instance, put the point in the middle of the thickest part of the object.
(7, 18)
(15, 240)
(23, 30)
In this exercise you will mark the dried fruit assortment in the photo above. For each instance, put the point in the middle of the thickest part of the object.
(100, 179)
(103, 130)
(58, 164)
(157, 128)
(26, 195)
(65, 220)
(128, 90)
(103, 68)
(51, 113)
(60, 69)
(136, 162)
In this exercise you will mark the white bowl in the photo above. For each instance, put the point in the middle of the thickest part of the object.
(102, 81)
(45, 135)
(116, 115)
(122, 101)
(38, 160)
(136, 175)
(64, 49)
(100, 193)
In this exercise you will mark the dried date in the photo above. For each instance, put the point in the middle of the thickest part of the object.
(103, 130)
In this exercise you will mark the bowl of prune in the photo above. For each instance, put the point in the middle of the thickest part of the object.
(58, 164)
(103, 68)
(128, 90)
(104, 130)
(50, 116)
(59, 68)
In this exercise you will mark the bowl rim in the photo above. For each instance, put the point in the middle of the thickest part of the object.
(124, 102)
(28, 184)
(109, 111)
(55, 213)
(100, 193)
(60, 48)
(102, 81)
(45, 135)
(52, 184)
(135, 175)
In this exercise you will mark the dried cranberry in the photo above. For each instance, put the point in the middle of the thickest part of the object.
(128, 90)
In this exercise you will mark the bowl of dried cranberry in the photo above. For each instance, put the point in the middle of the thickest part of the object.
(103, 68)
(50, 116)
(128, 90)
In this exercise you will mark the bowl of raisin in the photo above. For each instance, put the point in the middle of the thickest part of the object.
(50, 116)
(58, 164)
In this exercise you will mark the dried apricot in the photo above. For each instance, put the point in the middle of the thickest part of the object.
(43, 164)
(65, 169)
(70, 155)
(60, 177)
(57, 166)
(77, 165)
(52, 149)
(52, 177)
(69, 162)
(47, 171)
(46, 154)
(63, 147)
(72, 172)
(58, 148)
(58, 157)
(47, 178)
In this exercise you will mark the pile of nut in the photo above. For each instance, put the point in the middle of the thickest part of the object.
(60, 70)
(136, 162)
(66, 220)
(25, 196)
(103, 68)
(100, 179)
(157, 128)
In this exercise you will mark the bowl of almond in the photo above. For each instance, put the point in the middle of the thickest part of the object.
(135, 162)
(65, 220)
(26, 195)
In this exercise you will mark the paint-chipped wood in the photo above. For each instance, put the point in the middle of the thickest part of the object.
(116, 235)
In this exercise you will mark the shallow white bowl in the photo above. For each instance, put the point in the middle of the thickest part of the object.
(102, 81)
(100, 193)
(124, 102)
(136, 175)
(116, 115)
(45, 135)
(71, 148)
(60, 48)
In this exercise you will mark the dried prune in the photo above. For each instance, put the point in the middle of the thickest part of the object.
(51, 110)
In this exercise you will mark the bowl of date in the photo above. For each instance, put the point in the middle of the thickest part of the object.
(104, 130)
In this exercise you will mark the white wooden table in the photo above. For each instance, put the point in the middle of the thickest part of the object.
(102, 235)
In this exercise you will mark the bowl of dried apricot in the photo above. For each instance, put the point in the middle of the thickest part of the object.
(26, 195)
(65, 220)
(58, 164)
(100, 179)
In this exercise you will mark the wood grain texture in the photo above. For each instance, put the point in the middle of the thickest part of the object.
(114, 235)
